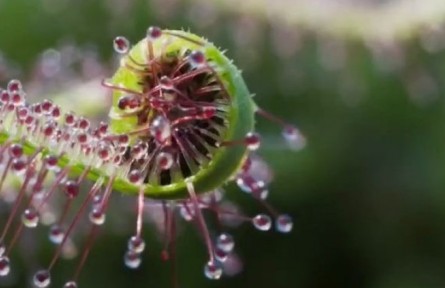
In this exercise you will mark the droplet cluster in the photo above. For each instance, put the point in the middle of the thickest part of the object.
(63, 159)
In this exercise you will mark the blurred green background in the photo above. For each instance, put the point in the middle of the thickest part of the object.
(367, 193)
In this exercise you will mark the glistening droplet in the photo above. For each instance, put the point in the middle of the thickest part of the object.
(70, 284)
(42, 279)
(225, 242)
(284, 223)
(97, 217)
(56, 234)
(136, 244)
(30, 218)
(121, 45)
(132, 260)
(262, 222)
(213, 271)
(4, 266)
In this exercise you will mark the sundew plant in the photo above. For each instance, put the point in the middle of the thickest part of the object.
(181, 126)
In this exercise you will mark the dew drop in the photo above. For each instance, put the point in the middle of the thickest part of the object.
(160, 129)
(104, 153)
(18, 165)
(135, 176)
(42, 279)
(121, 45)
(51, 162)
(164, 160)
(82, 138)
(14, 86)
(37, 108)
(284, 223)
(213, 271)
(70, 284)
(83, 123)
(136, 244)
(29, 120)
(225, 242)
(154, 32)
(138, 151)
(38, 191)
(103, 128)
(262, 222)
(22, 112)
(70, 119)
(56, 112)
(248, 184)
(293, 137)
(56, 234)
(123, 140)
(97, 217)
(71, 189)
(17, 98)
(48, 129)
(220, 255)
(16, 151)
(243, 185)
(197, 58)
(4, 97)
(129, 101)
(47, 106)
(253, 141)
(132, 260)
(5, 266)
(30, 218)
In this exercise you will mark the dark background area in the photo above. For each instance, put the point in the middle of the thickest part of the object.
(367, 193)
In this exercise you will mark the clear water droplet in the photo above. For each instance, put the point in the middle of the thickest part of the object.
(136, 244)
(42, 279)
(262, 222)
(14, 86)
(71, 189)
(164, 160)
(135, 176)
(293, 137)
(51, 162)
(97, 217)
(197, 59)
(70, 284)
(30, 218)
(5, 266)
(121, 45)
(220, 255)
(243, 185)
(160, 129)
(249, 184)
(56, 234)
(213, 271)
(132, 260)
(284, 223)
(253, 141)
(16, 151)
(225, 242)
(154, 32)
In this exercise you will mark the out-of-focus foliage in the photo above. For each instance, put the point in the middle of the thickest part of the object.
(368, 192)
